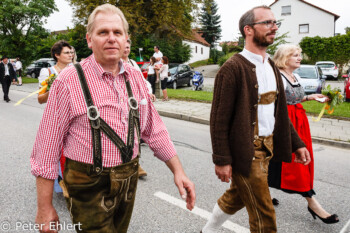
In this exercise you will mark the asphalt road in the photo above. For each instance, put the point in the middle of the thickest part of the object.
(158, 206)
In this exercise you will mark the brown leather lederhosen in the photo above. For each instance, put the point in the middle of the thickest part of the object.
(101, 199)
(253, 192)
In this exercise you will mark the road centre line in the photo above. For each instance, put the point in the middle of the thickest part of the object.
(343, 230)
(200, 212)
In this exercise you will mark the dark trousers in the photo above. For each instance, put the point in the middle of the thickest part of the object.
(152, 80)
(253, 193)
(101, 203)
(6, 83)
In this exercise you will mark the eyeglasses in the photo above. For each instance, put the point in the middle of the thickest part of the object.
(268, 23)
(68, 52)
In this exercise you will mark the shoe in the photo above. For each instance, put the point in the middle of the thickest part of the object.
(7, 100)
(275, 202)
(19, 84)
(142, 172)
(329, 220)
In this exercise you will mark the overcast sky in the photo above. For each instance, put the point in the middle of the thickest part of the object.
(229, 10)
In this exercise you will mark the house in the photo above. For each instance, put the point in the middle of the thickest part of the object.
(303, 19)
(200, 48)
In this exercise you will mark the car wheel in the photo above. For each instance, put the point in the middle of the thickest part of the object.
(33, 75)
(174, 85)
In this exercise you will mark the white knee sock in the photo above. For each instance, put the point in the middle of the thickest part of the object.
(216, 220)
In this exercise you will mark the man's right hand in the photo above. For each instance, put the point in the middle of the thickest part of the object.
(47, 219)
(224, 173)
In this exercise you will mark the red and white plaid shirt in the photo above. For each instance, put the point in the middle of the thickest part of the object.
(65, 124)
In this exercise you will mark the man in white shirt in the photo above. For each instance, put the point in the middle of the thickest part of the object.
(158, 55)
(19, 71)
(7, 73)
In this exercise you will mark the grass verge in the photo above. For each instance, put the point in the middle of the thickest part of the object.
(311, 107)
(314, 108)
(199, 63)
(29, 80)
(189, 95)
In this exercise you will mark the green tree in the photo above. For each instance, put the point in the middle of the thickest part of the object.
(145, 16)
(336, 48)
(279, 40)
(210, 20)
(347, 29)
(21, 26)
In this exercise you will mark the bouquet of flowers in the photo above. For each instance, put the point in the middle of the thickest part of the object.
(335, 99)
(46, 85)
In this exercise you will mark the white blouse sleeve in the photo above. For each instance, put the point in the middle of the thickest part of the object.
(44, 74)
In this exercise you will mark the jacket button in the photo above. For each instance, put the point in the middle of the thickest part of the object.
(256, 86)
(255, 105)
(256, 137)
(253, 69)
(254, 123)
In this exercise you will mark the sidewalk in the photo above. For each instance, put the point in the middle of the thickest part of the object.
(327, 131)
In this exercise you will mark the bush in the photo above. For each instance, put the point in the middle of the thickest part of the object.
(215, 55)
(223, 59)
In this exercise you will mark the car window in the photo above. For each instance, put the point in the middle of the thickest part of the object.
(320, 71)
(306, 72)
(173, 70)
(39, 64)
(325, 65)
(182, 69)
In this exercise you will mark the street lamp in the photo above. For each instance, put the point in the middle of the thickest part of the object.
(140, 49)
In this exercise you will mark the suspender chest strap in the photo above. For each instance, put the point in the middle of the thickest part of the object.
(98, 124)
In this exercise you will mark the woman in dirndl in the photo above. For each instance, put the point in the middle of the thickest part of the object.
(294, 177)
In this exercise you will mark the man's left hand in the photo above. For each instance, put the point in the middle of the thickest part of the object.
(302, 156)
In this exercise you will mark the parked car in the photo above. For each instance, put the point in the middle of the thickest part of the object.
(329, 69)
(33, 69)
(312, 78)
(144, 68)
(181, 74)
(347, 86)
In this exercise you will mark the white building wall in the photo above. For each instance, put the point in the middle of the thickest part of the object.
(202, 53)
(320, 23)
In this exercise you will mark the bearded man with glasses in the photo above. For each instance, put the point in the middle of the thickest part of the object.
(249, 126)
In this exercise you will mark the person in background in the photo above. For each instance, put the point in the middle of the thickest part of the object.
(7, 73)
(74, 55)
(158, 64)
(15, 80)
(61, 52)
(249, 126)
(151, 74)
(163, 73)
(19, 71)
(131, 62)
(295, 177)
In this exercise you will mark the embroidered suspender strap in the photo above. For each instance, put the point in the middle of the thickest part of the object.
(98, 124)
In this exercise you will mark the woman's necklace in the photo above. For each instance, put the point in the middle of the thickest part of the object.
(290, 76)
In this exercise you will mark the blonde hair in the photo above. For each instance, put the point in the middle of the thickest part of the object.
(106, 8)
(283, 53)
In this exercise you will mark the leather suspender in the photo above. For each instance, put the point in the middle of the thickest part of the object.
(98, 124)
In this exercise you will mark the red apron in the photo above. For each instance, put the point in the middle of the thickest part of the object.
(295, 176)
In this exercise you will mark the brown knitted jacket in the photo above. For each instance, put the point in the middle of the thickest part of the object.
(233, 115)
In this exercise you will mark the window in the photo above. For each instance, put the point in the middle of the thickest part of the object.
(303, 28)
(202, 50)
(196, 49)
(286, 10)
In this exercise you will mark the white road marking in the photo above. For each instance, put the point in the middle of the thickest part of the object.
(345, 227)
(200, 212)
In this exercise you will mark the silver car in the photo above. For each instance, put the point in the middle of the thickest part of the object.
(329, 69)
(312, 79)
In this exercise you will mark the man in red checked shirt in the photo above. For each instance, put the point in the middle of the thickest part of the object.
(89, 117)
